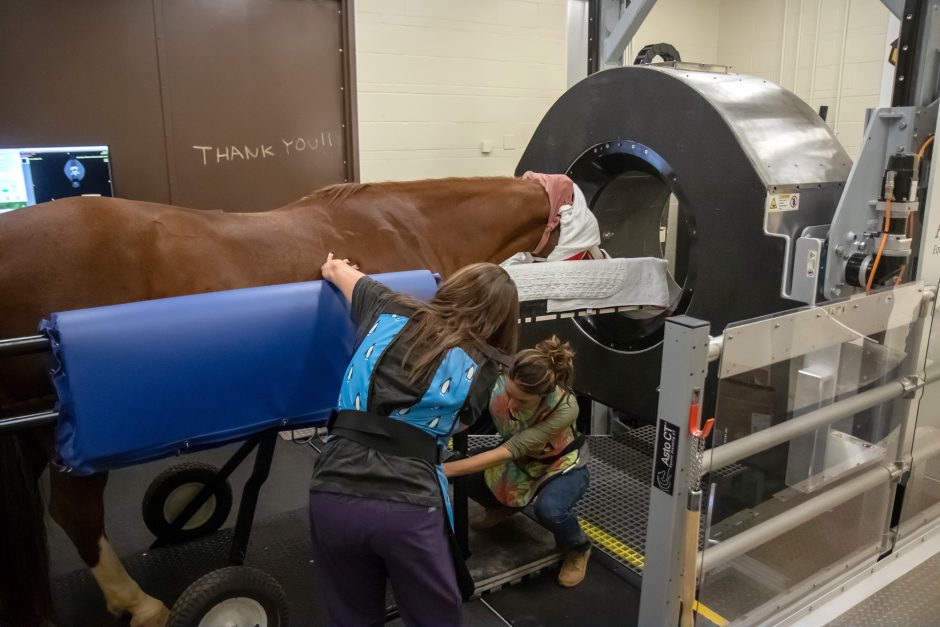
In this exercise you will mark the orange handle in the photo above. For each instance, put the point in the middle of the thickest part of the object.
(694, 429)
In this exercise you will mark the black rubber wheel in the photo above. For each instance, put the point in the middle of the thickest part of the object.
(173, 489)
(237, 595)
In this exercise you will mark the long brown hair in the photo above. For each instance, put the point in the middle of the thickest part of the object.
(541, 369)
(478, 306)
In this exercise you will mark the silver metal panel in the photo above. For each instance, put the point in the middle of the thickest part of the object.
(889, 131)
(815, 387)
(688, 66)
(685, 360)
(807, 259)
(786, 140)
(577, 40)
(844, 454)
(928, 266)
(928, 61)
(781, 337)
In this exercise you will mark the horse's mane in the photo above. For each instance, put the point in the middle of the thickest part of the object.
(338, 192)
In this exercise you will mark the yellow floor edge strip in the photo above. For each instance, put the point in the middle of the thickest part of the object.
(607, 541)
(635, 558)
(710, 614)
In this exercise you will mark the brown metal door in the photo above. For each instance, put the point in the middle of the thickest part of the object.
(255, 100)
(234, 105)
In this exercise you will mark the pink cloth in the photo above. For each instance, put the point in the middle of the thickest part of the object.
(560, 190)
(559, 187)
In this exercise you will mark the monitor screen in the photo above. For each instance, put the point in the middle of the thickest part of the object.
(29, 176)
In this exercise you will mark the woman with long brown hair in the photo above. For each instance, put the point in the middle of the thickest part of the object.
(542, 457)
(378, 501)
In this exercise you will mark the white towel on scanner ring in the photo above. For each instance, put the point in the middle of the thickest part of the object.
(593, 284)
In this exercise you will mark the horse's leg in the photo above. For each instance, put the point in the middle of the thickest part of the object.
(25, 596)
(77, 504)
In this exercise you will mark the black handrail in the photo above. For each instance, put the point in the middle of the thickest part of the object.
(24, 345)
(28, 421)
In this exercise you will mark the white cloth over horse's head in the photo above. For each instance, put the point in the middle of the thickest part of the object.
(579, 231)
(579, 236)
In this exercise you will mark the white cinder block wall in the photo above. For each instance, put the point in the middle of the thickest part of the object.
(690, 25)
(438, 78)
(829, 52)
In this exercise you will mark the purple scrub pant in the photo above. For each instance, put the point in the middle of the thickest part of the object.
(358, 543)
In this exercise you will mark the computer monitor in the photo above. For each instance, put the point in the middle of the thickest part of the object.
(29, 176)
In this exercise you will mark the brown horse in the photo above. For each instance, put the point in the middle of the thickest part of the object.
(88, 252)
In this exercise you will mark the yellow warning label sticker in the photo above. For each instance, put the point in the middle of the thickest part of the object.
(783, 201)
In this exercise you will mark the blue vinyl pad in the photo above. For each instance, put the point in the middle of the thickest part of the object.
(145, 380)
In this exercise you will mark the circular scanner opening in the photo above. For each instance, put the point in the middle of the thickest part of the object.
(639, 215)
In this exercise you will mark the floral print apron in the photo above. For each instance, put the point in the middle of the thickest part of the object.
(516, 482)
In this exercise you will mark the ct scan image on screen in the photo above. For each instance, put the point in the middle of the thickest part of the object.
(29, 176)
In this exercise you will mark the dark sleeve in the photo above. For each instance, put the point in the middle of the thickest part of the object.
(478, 399)
(369, 299)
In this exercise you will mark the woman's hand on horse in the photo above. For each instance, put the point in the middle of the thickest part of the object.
(331, 265)
(342, 273)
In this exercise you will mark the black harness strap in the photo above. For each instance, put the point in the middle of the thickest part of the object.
(496, 355)
(574, 445)
(386, 435)
(395, 437)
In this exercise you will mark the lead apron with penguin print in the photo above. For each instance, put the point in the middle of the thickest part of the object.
(435, 413)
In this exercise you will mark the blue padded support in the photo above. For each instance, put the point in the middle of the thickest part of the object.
(145, 380)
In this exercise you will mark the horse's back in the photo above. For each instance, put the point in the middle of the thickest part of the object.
(84, 252)
(92, 251)
(87, 252)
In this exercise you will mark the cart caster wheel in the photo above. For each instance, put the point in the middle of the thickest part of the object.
(173, 489)
(237, 596)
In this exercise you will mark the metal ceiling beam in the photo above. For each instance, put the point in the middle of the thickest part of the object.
(621, 33)
(895, 6)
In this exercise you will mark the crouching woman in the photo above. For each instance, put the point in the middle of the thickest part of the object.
(542, 459)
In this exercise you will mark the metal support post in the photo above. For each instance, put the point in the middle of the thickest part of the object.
(600, 419)
(611, 26)
(895, 6)
(622, 32)
(461, 504)
(685, 362)
(246, 510)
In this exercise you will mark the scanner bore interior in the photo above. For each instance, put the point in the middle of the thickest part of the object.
(641, 213)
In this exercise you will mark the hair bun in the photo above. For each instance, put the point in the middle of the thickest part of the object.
(562, 358)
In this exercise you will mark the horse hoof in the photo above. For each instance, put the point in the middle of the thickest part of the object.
(150, 614)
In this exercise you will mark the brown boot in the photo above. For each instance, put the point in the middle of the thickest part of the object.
(486, 518)
(574, 568)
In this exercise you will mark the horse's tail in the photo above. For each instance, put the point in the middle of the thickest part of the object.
(25, 595)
